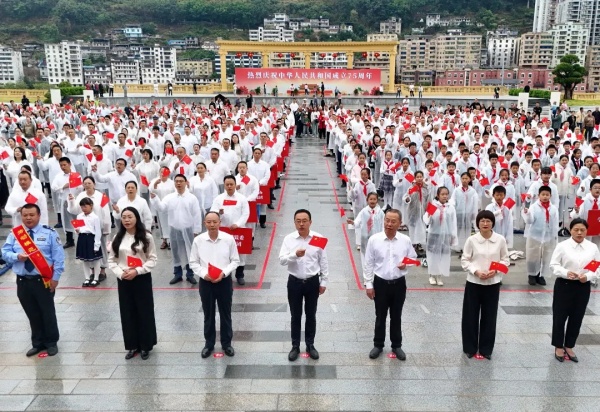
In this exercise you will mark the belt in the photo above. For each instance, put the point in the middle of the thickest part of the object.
(391, 282)
(86, 234)
(303, 280)
(29, 277)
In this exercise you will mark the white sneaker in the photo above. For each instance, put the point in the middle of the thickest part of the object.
(439, 280)
(350, 227)
(432, 280)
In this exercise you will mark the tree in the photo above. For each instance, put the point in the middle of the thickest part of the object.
(569, 73)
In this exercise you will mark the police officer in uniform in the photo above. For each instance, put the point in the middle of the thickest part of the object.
(36, 298)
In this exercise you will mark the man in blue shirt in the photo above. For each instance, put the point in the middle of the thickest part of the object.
(36, 298)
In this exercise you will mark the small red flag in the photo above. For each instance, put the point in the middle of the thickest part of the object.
(575, 180)
(74, 180)
(19, 139)
(166, 172)
(484, 181)
(104, 200)
(509, 203)
(30, 198)
(523, 197)
(229, 202)
(432, 172)
(499, 267)
(186, 159)
(592, 266)
(270, 143)
(342, 212)
(344, 178)
(578, 201)
(144, 180)
(134, 262)
(431, 208)
(77, 223)
(110, 135)
(213, 271)
(409, 178)
(413, 190)
(181, 170)
(99, 157)
(553, 168)
(246, 179)
(169, 150)
(34, 153)
(318, 241)
(409, 261)
(129, 153)
(4, 155)
(89, 157)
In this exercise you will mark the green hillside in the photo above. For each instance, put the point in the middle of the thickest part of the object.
(52, 20)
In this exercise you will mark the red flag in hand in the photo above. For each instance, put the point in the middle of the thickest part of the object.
(413, 190)
(144, 180)
(523, 197)
(270, 143)
(575, 180)
(409, 261)
(166, 172)
(104, 200)
(214, 272)
(77, 223)
(30, 198)
(318, 241)
(592, 266)
(509, 203)
(409, 178)
(89, 156)
(484, 181)
(134, 262)
(186, 159)
(553, 168)
(432, 172)
(74, 180)
(344, 178)
(129, 153)
(169, 150)
(342, 212)
(228, 202)
(431, 208)
(578, 201)
(246, 179)
(4, 155)
(499, 267)
(110, 135)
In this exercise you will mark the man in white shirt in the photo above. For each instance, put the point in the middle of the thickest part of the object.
(213, 258)
(116, 179)
(217, 168)
(61, 188)
(308, 270)
(184, 217)
(262, 172)
(22, 194)
(385, 280)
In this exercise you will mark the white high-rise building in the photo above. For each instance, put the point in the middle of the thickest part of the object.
(582, 11)
(503, 49)
(125, 71)
(544, 15)
(158, 64)
(569, 38)
(64, 63)
(278, 34)
(11, 65)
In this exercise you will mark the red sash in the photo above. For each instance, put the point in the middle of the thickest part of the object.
(36, 257)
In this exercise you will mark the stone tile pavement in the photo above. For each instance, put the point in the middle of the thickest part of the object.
(90, 372)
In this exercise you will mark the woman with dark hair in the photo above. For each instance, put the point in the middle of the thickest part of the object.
(573, 265)
(146, 171)
(14, 167)
(132, 199)
(168, 153)
(482, 253)
(132, 255)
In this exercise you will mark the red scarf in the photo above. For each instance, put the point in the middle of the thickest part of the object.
(364, 185)
(546, 205)
(453, 178)
(370, 221)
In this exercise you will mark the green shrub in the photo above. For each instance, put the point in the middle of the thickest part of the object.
(537, 93)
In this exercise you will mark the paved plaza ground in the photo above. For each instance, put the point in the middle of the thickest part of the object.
(90, 372)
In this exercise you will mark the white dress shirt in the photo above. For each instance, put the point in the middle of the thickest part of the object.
(232, 214)
(221, 253)
(479, 253)
(17, 199)
(116, 182)
(183, 210)
(140, 205)
(92, 225)
(119, 264)
(313, 262)
(384, 255)
(570, 256)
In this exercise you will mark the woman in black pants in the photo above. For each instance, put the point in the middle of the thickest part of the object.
(573, 265)
(132, 255)
(482, 290)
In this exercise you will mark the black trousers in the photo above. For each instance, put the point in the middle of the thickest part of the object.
(568, 306)
(480, 312)
(136, 304)
(338, 159)
(38, 303)
(389, 296)
(589, 132)
(303, 291)
(221, 294)
(322, 134)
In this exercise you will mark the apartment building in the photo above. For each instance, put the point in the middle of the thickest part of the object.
(457, 51)
(503, 49)
(64, 62)
(11, 65)
(536, 50)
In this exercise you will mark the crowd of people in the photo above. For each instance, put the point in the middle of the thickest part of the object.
(459, 179)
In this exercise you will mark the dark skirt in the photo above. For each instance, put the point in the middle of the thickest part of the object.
(386, 183)
(85, 248)
(136, 304)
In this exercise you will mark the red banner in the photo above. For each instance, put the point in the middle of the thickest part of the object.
(280, 164)
(243, 239)
(253, 218)
(287, 80)
(273, 178)
(264, 196)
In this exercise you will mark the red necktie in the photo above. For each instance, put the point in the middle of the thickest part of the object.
(442, 213)
(494, 174)
(364, 185)
(415, 159)
(595, 207)
(478, 159)
(370, 221)
(546, 205)
(388, 166)
(453, 179)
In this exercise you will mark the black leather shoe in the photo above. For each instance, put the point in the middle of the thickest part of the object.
(561, 359)
(262, 225)
(206, 352)
(488, 357)
(58, 225)
(192, 280)
(400, 355)
(270, 206)
(145, 354)
(33, 351)
(175, 280)
(101, 277)
(541, 281)
(572, 358)
(312, 352)
(68, 245)
(532, 280)
(52, 350)
(294, 353)
(229, 351)
(241, 281)
(375, 352)
(131, 354)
